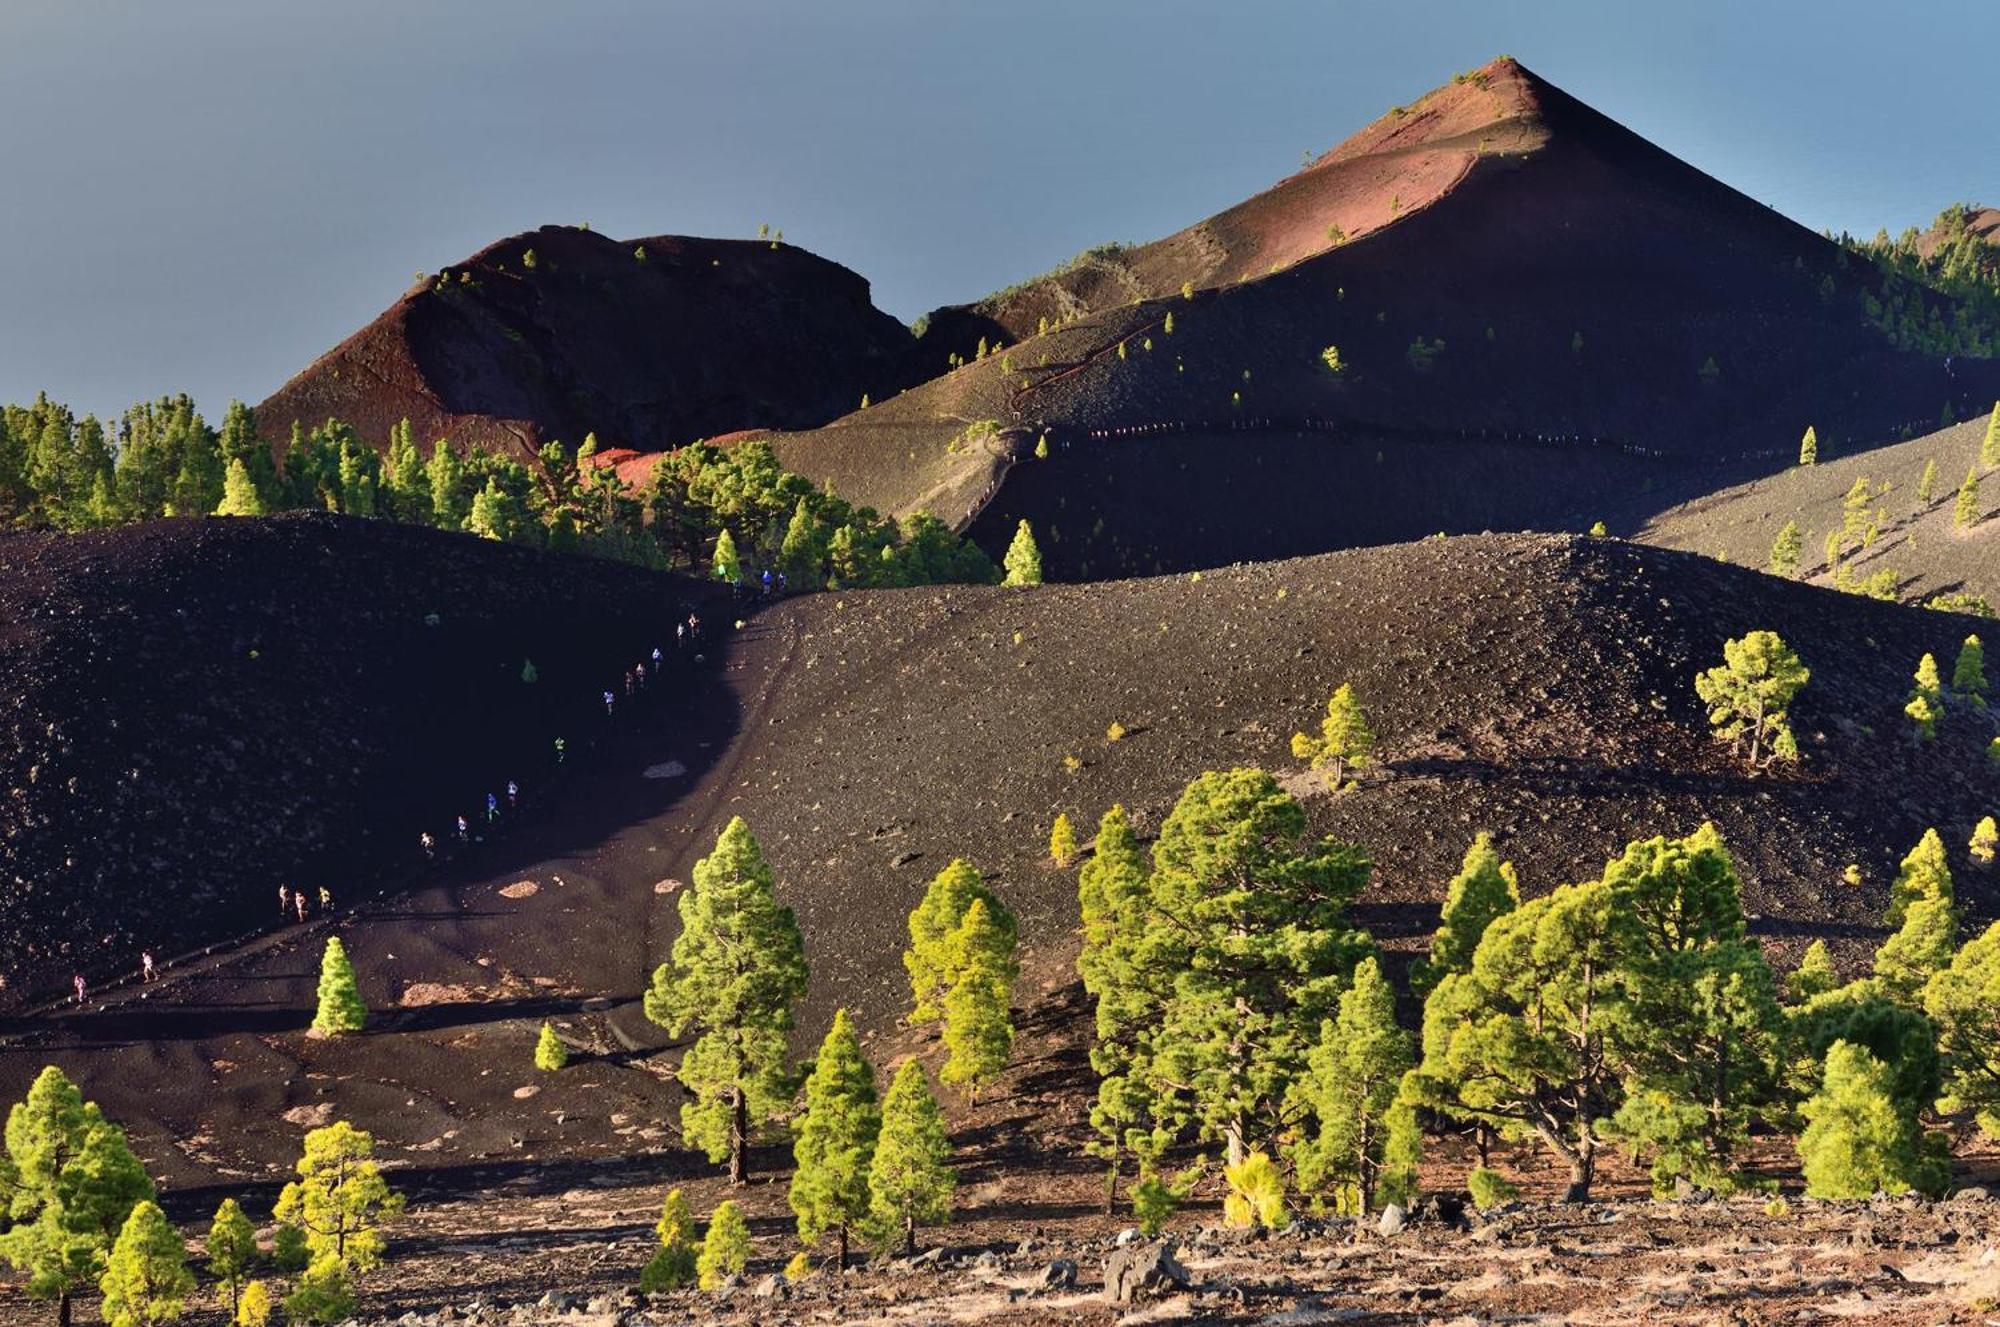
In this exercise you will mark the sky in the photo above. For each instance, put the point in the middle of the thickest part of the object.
(204, 195)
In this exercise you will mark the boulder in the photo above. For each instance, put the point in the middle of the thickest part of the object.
(1394, 1218)
(1059, 1275)
(1140, 1271)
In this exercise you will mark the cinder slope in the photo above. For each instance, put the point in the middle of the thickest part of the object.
(1920, 542)
(699, 337)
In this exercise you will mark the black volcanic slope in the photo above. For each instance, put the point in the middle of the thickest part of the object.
(1537, 687)
(699, 338)
(1612, 322)
(201, 709)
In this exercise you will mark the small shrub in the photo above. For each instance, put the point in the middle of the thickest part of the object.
(1489, 1188)
(1256, 1194)
(1777, 1209)
(1115, 733)
(800, 1267)
(1072, 763)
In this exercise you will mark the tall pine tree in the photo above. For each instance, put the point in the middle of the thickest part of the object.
(835, 1145)
(910, 1179)
(1352, 1077)
(737, 968)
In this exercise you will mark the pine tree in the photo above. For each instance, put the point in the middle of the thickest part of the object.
(1062, 842)
(1785, 550)
(672, 1264)
(910, 1179)
(736, 970)
(73, 1182)
(1256, 1194)
(1352, 1078)
(1344, 742)
(978, 1026)
(1960, 1001)
(550, 1052)
(239, 494)
(1809, 447)
(1255, 957)
(1968, 675)
(1921, 948)
(340, 1199)
(724, 560)
(1985, 841)
(1114, 904)
(1521, 1039)
(1927, 483)
(802, 553)
(934, 924)
(1483, 889)
(340, 1007)
(1925, 705)
(446, 476)
(1814, 976)
(836, 1140)
(725, 1249)
(146, 1280)
(1857, 1142)
(1965, 512)
(323, 1293)
(1924, 873)
(1751, 692)
(254, 1308)
(232, 1251)
(1854, 511)
(1024, 558)
(496, 513)
(1989, 449)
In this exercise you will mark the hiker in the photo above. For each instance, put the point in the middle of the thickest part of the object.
(77, 981)
(464, 830)
(284, 901)
(325, 899)
(562, 749)
(680, 635)
(513, 795)
(146, 972)
(767, 582)
(428, 844)
(609, 701)
(299, 897)
(656, 658)
(492, 808)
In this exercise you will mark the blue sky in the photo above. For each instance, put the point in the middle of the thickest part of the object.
(202, 195)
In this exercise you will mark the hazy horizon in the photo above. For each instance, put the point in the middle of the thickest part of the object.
(206, 196)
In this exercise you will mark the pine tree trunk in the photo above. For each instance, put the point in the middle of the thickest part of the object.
(910, 1236)
(842, 1265)
(1111, 1186)
(62, 1309)
(739, 1138)
(1233, 1138)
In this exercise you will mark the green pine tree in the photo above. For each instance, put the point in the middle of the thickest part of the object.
(1989, 449)
(72, 1181)
(551, 1055)
(803, 551)
(445, 474)
(736, 970)
(1960, 1001)
(1115, 907)
(1968, 675)
(1924, 873)
(978, 1025)
(1024, 559)
(1927, 482)
(1814, 976)
(724, 561)
(1786, 549)
(1062, 842)
(323, 1293)
(146, 1279)
(672, 1264)
(254, 1308)
(1352, 1078)
(1921, 948)
(910, 1179)
(1985, 841)
(1925, 705)
(232, 1251)
(1750, 694)
(930, 960)
(340, 1199)
(340, 1007)
(239, 493)
(1345, 740)
(836, 1140)
(1809, 447)
(1248, 938)
(1256, 1194)
(725, 1249)
(1483, 889)
(1857, 1142)
(1965, 513)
